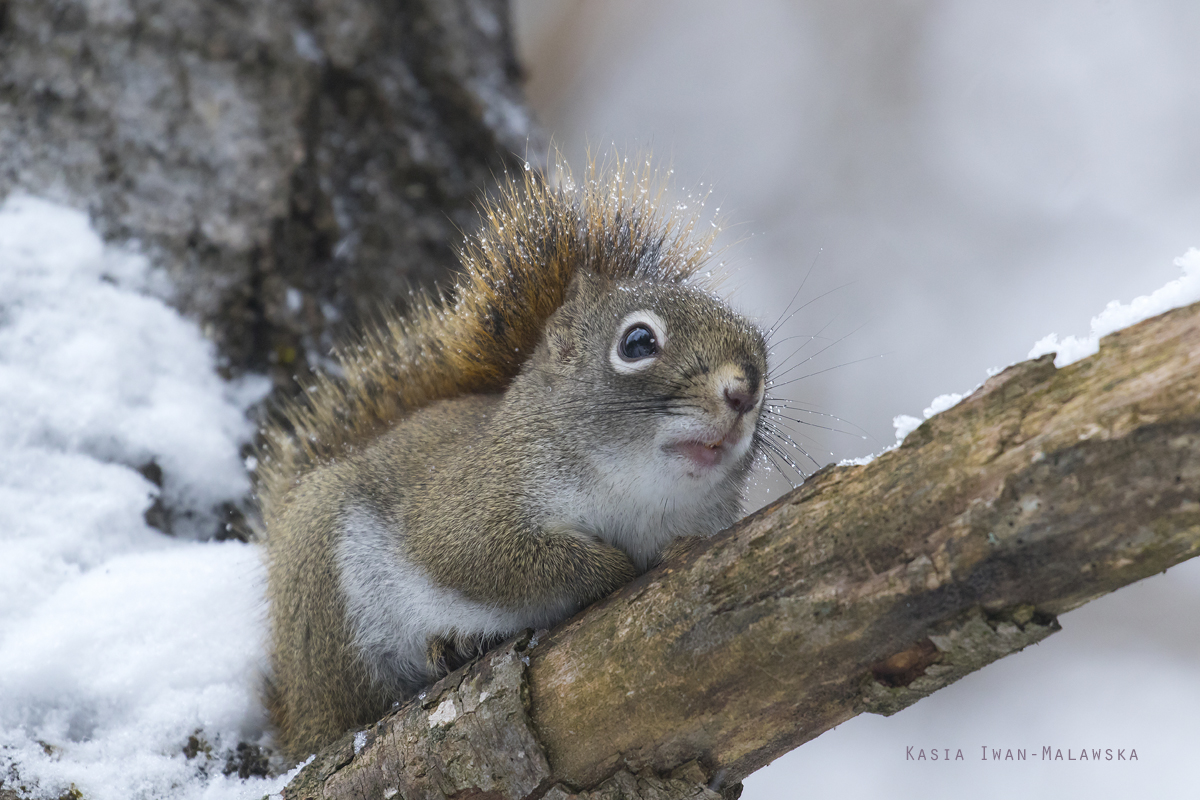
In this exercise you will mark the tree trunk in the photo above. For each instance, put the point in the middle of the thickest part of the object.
(866, 589)
(292, 165)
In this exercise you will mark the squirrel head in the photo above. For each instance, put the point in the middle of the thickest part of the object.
(658, 385)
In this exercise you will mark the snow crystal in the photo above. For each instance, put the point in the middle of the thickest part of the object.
(293, 772)
(118, 644)
(1116, 315)
(905, 424)
(862, 461)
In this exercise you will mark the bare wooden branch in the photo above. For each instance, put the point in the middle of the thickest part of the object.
(864, 590)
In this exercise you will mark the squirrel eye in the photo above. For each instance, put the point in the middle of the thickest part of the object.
(641, 337)
(638, 343)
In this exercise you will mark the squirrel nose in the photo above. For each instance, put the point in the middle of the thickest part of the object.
(739, 399)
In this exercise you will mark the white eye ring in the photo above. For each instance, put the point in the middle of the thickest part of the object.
(643, 317)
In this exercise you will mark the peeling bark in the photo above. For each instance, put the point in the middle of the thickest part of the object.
(866, 589)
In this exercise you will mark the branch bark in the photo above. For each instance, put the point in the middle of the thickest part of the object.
(866, 589)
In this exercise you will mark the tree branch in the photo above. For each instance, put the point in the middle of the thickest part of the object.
(866, 589)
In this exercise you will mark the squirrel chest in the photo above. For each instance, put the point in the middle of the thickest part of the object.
(493, 492)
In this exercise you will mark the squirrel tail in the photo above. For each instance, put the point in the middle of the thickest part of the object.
(474, 337)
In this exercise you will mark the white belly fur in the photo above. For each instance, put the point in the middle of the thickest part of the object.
(394, 608)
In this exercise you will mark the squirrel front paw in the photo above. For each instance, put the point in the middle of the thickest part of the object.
(435, 655)
(443, 656)
(679, 548)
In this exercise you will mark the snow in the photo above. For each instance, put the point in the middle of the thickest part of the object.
(905, 424)
(1180, 292)
(1116, 315)
(117, 642)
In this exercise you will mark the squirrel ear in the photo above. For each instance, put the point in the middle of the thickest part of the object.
(559, 334)
(584, 283)
(560, 331)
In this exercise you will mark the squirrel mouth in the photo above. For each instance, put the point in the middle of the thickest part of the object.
(705, 455)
